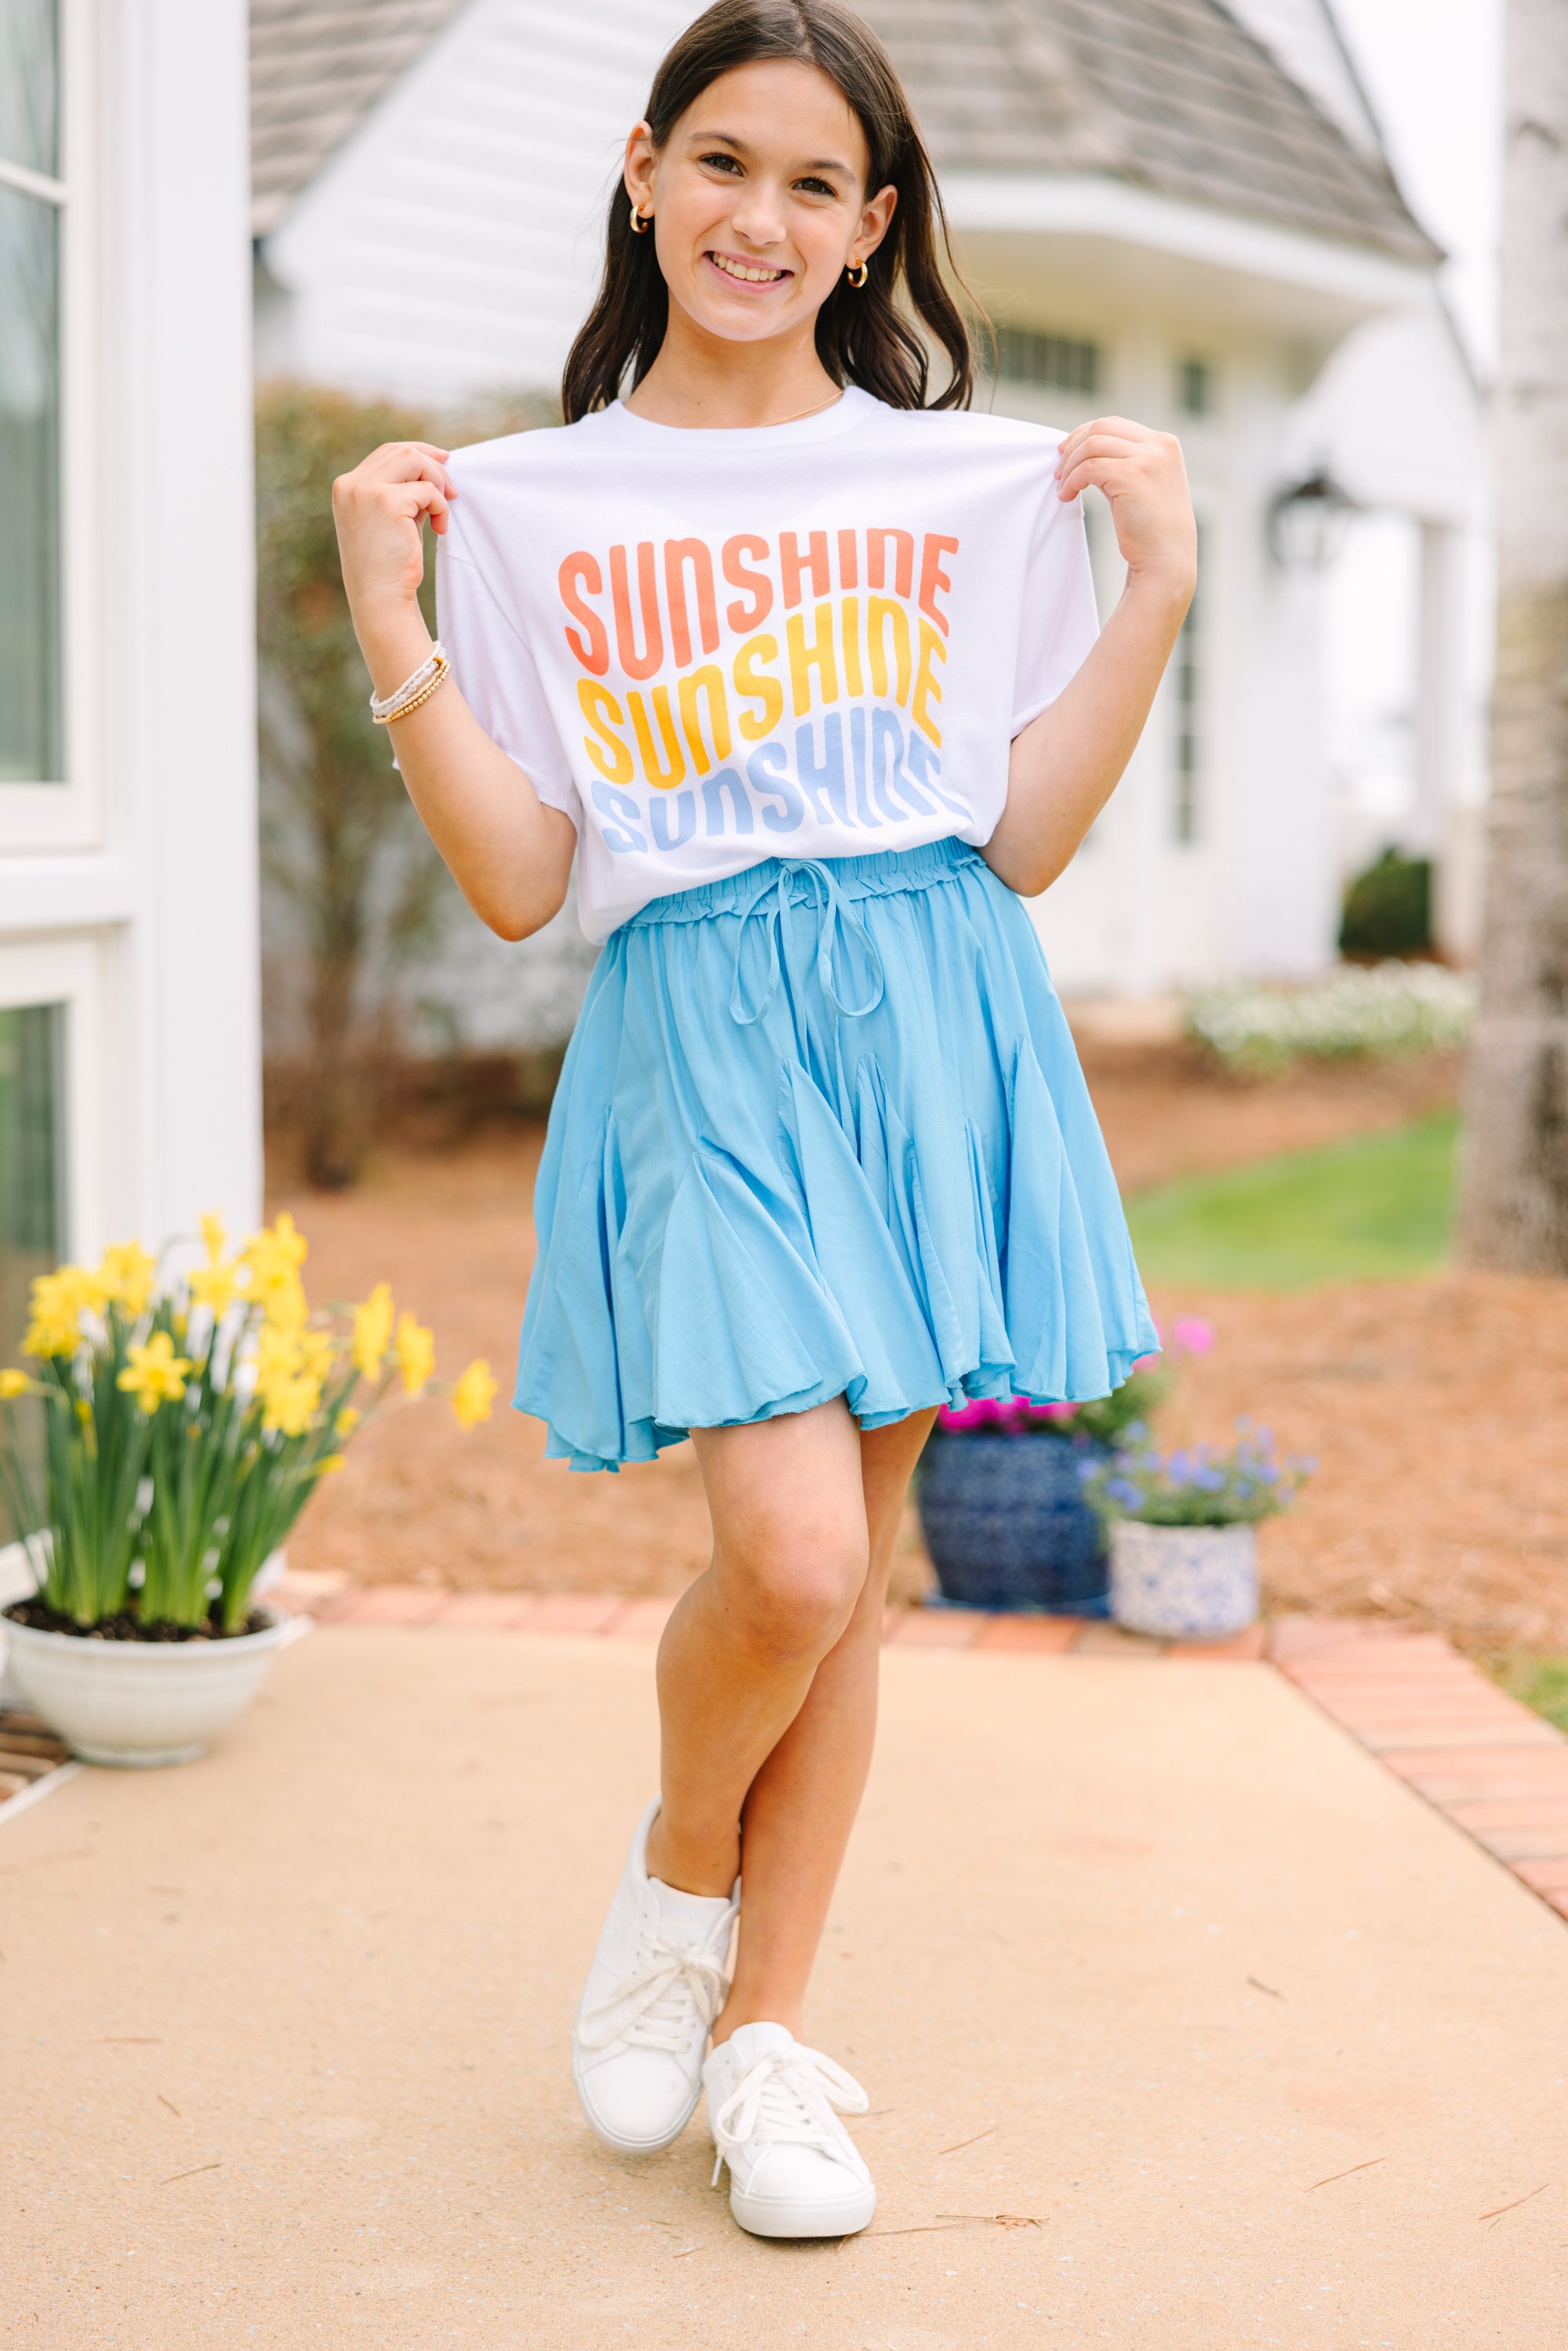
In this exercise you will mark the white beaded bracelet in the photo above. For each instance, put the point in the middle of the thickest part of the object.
(414, 689)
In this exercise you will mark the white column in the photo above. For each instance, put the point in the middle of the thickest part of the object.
(1440, 683)
(179, 612)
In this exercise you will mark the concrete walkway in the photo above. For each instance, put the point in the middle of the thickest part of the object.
(1185, 2023)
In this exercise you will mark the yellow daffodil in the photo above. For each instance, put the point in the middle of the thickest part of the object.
(317, 1351)
(333, 1461)
(216, 1237)
(415, 1349)
(154, 1373)
(59, 1300)
(473, 1393)
(348, 1420)
(125, 1276)
(277, 1356)
(373, 1330)
(215, 1286)
(273, 1257)
(13, 1384)
(289, 1405)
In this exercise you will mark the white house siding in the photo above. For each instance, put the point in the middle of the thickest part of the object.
(452, 243)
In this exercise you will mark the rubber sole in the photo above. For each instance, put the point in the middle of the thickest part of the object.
(762, 2216)
(628, 2146)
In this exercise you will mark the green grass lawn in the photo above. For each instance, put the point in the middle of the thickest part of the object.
(1539, 1682)
(1374, 1209)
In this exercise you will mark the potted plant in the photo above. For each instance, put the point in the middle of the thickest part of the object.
(187, 1420)
(1183, 1530)
(1001, 1496)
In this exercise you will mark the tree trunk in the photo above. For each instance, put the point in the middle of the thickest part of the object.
(1515, 1204)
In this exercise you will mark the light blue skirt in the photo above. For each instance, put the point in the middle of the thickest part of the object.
(822, 1131)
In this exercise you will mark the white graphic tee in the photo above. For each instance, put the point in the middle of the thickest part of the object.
(812, 640)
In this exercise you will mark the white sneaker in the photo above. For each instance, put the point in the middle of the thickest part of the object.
(794, 2170)
(656, 1984)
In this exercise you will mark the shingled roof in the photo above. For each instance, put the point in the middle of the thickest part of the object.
(317, 69)
(1174, 95)
(1170, 93)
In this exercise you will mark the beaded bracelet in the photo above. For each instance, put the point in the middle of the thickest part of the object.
(415, 689)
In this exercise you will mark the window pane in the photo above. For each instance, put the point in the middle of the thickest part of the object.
(1023, 356)
(30, 749)
(32, 1183)
(29, 50)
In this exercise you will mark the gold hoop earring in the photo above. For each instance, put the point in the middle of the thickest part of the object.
(859, 273)
(639, 222)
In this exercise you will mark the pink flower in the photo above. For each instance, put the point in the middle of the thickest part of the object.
(1145, 1364)
(1194, 1336)
(1048, 1411)
(983, 1412)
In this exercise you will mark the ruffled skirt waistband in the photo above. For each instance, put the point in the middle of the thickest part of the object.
(822, 1130)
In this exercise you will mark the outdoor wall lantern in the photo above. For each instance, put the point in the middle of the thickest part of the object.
(1307, 522)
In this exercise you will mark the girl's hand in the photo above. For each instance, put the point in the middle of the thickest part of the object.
(1145, 479)
(379, 509)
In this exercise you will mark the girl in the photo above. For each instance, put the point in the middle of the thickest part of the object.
(799, 664)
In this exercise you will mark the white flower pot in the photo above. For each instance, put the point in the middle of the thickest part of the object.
(144, 1702)
(1184, 1583)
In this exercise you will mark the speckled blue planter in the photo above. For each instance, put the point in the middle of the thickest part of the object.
(1184, 1583)
(1006, 1526)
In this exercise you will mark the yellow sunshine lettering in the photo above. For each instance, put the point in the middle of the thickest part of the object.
(879, 612)
(818, 654)
(603, 711)
(711, 681)
(926, 689)
(849, 637)
(753, 686)
(663, 780)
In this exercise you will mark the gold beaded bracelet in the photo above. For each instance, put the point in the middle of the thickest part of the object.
(443, 672)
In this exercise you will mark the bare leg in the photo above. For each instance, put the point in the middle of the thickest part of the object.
(789, 1560)
(767, 1682)
(803, 1801)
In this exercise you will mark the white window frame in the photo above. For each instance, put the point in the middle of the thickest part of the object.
(70, 972)
(66, 812)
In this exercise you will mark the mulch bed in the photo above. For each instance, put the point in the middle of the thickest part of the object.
(1434, 1408)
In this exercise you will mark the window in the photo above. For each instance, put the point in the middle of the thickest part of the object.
(1194, 388)
(1025, 356)
(32, 1158)
(32, 197)
(1188, 808)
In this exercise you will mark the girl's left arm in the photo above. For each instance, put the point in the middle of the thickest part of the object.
(1066, 762)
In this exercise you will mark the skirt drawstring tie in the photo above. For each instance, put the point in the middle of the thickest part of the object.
(772, 900)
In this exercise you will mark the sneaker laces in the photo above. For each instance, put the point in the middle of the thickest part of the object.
(788, 2099)
(656, 2007)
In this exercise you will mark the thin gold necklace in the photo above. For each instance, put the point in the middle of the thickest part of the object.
(802, 415)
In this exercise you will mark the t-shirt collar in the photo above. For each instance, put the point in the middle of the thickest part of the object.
(852, 408)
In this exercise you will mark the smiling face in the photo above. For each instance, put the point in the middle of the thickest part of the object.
(759, 200)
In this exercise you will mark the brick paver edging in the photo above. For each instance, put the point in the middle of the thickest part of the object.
(1481, 1759)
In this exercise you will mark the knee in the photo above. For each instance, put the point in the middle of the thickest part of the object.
(786, 1603)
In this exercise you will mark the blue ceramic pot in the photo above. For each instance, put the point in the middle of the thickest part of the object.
(1006, 1525)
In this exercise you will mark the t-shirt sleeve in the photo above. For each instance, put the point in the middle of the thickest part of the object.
(1059, 621)
(499, 680)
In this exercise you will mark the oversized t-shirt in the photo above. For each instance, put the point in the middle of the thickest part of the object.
(814, 640)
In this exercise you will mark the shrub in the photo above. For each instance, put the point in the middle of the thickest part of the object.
(1388, 909)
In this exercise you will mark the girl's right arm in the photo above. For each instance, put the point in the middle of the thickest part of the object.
(508, 853)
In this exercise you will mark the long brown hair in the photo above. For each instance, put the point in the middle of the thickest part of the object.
(865, 337)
